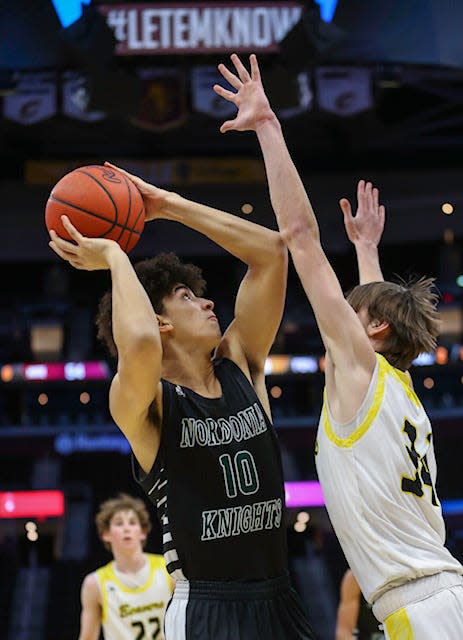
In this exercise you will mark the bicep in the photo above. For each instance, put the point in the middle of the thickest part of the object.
(258, 310)
(340, 328)
(136, 383)
(139, 371)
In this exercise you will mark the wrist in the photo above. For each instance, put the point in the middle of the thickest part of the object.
(366, 245)
(113, 254)
(173, 205)
(267, 119)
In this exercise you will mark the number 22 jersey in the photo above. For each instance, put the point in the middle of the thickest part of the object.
(217, 483)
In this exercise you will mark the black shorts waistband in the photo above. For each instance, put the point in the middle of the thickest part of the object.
(232, 590)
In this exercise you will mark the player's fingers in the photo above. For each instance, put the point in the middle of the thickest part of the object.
(225, 93)
(382, 214)
(375, 194)
(241, 69)
(66, 255)
(138, 182)
(361, 192)
(368, 189)
(63, 244)
(346, 208)
(229, 124)
(70, 228)
(229, 76)
(255, 72)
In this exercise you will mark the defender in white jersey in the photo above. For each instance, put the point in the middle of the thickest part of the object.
(128, 596)
(374, 451)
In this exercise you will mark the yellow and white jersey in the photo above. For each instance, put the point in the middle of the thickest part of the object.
(136, 612)
(378, 474)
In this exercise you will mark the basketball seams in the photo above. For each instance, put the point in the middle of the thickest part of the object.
(129, 191)
(132, 230)
(108, 193)
(91, 213)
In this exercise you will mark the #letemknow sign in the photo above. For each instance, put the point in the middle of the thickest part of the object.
(204, 27)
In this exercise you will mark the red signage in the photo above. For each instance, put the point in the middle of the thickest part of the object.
(204, 27)
(31, 504)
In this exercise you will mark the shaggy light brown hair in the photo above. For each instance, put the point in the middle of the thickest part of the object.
(411, 311)
(123, 502)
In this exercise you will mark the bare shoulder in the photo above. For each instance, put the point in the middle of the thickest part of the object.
(90, 591)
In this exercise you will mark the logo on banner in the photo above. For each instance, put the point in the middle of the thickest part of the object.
(344, 90)
(34, 99)
(204, 98)
(163, 101)
(76, 98)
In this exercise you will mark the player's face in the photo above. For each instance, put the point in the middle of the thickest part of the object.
(125, 531)
(192, 317)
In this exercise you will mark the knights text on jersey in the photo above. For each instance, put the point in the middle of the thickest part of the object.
(217, 483)
(128, 612)
(378, 474)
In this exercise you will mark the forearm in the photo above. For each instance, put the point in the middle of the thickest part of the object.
(287, 193)
(249, 242)
(368, 263)
(133, 317)
(343, 633)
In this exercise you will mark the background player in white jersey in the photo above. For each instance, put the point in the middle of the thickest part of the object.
(375, 456)
(129, 595)
(355, 619)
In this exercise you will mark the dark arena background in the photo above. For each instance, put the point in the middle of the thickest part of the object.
(365, 89)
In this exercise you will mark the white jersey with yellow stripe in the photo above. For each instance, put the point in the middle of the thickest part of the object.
(378, 474)
(132, 612)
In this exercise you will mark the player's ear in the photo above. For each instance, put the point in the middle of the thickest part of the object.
(378, 329)
(164, 323)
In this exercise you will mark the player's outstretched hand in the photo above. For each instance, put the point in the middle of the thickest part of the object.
(90, 254)
(368, 223)
(253, 105)
(154, 198)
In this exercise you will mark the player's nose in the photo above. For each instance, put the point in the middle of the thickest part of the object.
(207, 304)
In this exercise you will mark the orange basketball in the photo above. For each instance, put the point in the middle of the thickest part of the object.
(100, 202)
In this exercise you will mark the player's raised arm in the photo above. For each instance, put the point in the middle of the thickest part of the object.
(248, 339)
(365, 229)
(135, 332)
(342, 333)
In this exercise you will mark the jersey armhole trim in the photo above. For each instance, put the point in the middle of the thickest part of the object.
(346, 443)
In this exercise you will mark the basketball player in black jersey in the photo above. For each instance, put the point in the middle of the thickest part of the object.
(204, 447)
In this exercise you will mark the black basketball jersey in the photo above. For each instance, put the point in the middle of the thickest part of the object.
(217, 483)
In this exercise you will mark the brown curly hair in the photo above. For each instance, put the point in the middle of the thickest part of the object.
(158, 276)
(410, 308)
(122, 502)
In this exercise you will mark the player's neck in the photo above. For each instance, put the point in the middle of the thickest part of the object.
(192, 372)
(129, 562)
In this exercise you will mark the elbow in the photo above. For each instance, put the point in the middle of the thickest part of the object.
(294, 234)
